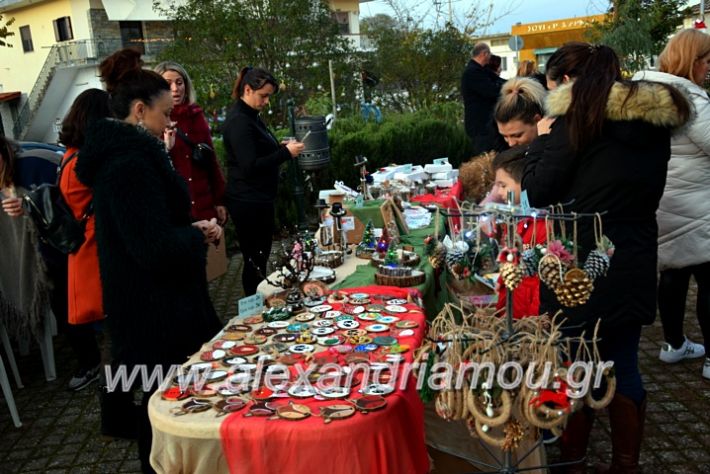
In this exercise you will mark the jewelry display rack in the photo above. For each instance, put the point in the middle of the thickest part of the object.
(511, 215)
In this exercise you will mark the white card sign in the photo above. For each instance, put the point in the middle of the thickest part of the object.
(251, 304)
(348, 223)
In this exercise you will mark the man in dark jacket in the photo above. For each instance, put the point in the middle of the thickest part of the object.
(480, 88)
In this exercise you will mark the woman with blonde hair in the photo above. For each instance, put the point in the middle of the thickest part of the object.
(204, 177)
(519, 108)
(528, 68)
(684, 212)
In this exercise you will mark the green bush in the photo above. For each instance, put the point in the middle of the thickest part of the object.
(416, 138)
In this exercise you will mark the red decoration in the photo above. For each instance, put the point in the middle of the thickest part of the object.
(699, 24)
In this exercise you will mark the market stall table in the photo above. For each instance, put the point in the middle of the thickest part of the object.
(390, 440)
(359, 272)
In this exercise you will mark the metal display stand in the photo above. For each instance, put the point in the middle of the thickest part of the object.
(513, 215)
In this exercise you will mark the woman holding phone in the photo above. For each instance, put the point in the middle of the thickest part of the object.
(254, 157)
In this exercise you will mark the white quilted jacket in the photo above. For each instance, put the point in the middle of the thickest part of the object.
(684, 212)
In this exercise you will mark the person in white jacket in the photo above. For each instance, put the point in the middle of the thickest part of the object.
(684, 212)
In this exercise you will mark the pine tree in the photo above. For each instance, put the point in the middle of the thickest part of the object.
(368, 237)
(391, 259)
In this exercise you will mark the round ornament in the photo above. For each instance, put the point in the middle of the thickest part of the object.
(377, 327)
(246, 349)
(301, 348)
(348, 324)
(278, 324)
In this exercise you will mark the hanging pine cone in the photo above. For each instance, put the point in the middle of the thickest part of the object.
(576, 288)
(453, 256)
(597, 264)
(511, 274)
(530, 260)
(437, 255)
(550, 269)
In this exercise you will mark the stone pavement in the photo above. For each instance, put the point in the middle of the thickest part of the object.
(60, 432)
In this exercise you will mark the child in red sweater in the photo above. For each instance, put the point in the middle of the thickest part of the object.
(508, 168)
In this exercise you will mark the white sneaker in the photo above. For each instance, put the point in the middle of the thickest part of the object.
(689, 350)
(706, 368)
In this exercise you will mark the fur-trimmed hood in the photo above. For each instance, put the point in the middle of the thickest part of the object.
(652, 103)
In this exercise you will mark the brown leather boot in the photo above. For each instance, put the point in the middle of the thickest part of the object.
(574, 442)
(627, 421)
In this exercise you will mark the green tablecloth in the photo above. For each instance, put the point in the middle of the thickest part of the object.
(365, 274)
(370, 210)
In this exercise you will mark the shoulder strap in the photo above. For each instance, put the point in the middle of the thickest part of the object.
(184, 137)
(63, 164)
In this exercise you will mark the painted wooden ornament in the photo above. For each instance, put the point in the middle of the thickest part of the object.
(228, 405)
(292, 412)
(368, 403)
(331, 413)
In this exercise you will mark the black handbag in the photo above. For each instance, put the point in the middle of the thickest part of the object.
(52, 216)
(202, 153)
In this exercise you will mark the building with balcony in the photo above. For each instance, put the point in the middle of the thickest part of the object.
(58, 45)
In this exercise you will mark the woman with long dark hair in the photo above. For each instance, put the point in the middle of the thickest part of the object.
(254, 156)
(605, 148)
(83, 281)
(151, 255)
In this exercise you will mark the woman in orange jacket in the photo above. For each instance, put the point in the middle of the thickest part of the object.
(84, 281)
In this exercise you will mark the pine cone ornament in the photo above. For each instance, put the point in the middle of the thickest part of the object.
(550, 270)
(454, 258)
(531, 261)
(437, 254)
(576, 288)
(597, 264)
(511, 274)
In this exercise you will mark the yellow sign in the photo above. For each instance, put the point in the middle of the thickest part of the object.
(556, 25)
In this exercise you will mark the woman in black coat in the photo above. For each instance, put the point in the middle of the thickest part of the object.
(254, 156)
(151, 256)
(607, 156)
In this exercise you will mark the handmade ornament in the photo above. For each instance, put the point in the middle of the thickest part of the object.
(510, 271)
(576, 288)
(436, 252)
(336, 412)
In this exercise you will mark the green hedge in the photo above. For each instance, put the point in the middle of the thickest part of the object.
(415, 137)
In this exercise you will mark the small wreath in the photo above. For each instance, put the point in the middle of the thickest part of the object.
(550, 417)
(506, 407)
(608, 395)
(488, 438)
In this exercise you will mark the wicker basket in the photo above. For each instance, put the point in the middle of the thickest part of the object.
(417, 277)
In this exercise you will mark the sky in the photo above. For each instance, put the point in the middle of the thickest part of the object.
(523, 11)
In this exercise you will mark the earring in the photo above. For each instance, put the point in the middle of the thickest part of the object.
(140, 124)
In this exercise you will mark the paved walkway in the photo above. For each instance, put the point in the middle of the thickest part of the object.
(60, 431)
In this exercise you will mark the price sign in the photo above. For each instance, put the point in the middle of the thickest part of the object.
(251, 304)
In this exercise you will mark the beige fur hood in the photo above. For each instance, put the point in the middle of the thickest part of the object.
(651, 103)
